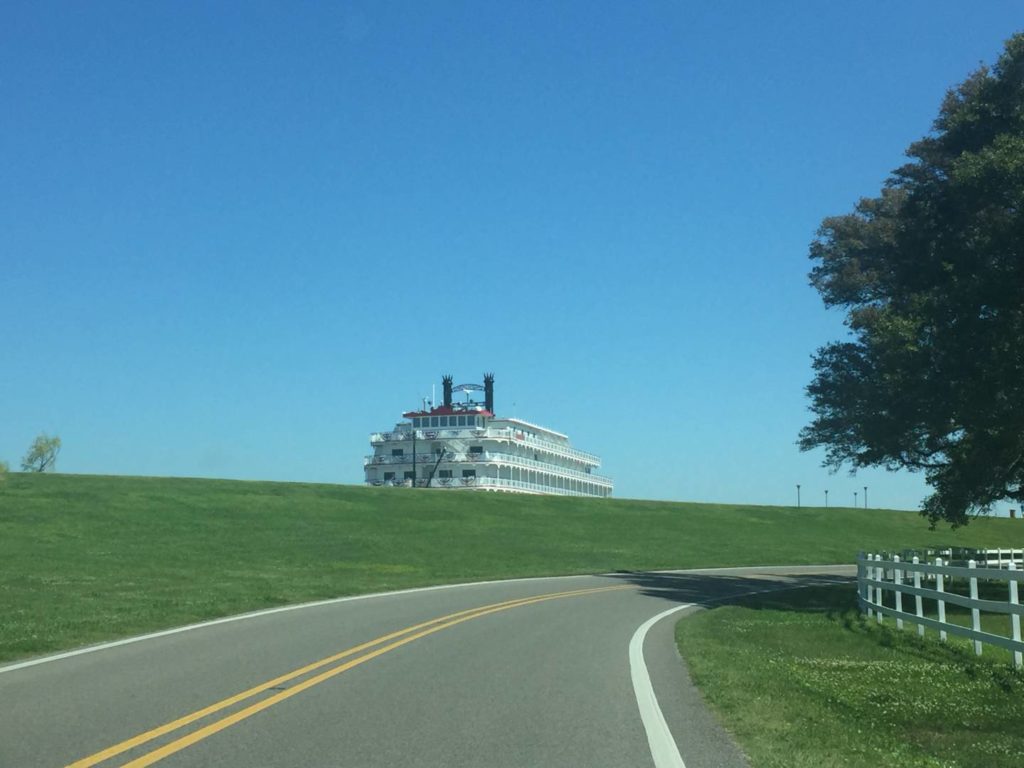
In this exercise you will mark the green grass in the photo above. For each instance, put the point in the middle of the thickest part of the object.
(803, 680)
(89, 558)
(993, 623)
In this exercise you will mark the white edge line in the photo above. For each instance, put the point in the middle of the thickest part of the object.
(659, 737)
(332, 601)
(662, 743)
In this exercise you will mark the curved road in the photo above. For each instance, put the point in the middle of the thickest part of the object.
(535, 672)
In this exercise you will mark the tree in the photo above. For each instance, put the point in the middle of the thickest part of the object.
(42, 455)
(931, 275)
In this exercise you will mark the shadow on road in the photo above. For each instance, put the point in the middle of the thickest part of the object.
(713, 589)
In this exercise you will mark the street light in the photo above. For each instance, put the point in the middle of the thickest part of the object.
(798, 495)
(865, 497)
(414, 454)
(854, 499)
(826, 499)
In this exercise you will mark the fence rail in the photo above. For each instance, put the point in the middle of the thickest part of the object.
(877, 576)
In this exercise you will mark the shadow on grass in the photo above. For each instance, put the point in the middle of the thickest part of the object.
(832, 597)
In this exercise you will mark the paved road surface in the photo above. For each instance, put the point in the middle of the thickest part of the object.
(520, 673)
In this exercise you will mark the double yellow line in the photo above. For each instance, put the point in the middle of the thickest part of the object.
(373, 648)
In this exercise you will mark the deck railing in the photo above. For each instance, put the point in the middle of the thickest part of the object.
(498, 483)
(512, 435)
(485, 457)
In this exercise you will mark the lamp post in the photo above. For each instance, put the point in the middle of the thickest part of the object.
(826, 499)
(798, 495)
(865, 497)
(414, 454)
(854, 499)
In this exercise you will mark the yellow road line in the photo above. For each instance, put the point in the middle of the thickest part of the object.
(435, 625)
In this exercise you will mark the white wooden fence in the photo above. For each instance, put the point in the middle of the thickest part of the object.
(989, 558)
(877, 575)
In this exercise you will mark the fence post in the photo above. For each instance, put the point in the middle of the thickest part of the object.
(868, 590)
(940, 582)
(861, 591)
(897, 581)
(918, 602)
(879, 591)
(1018, 658)
(975, 613)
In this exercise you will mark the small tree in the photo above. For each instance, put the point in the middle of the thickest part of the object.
(4, 469)
(42, 455)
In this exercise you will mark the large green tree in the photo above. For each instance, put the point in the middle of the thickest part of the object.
(931, 276)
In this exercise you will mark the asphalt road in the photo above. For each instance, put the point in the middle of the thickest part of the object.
(519, 673)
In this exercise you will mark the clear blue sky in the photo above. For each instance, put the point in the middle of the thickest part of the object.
(237, 238)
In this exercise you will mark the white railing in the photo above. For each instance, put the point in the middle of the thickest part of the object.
(421, 458)
(462, 433)
(522, 485)
(485, 482)
(512, 435)
(999, 558)
(421, 482)
(555, 448)
(554, 469)
(876, 576)
(489, 457)
(985, 558)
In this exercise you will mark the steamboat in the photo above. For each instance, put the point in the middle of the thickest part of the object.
(465, 445)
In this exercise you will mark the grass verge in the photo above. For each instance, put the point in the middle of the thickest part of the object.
(89, 558)
(802, 680)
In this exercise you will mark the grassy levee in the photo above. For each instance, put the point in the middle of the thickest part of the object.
(803, 680)
(88, 558)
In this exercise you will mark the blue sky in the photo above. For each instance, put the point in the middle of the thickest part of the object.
(236, 239)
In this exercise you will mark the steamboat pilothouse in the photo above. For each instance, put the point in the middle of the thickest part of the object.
(465, 445)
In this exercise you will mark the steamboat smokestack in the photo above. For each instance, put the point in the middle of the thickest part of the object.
(446, 382)
(489, 392)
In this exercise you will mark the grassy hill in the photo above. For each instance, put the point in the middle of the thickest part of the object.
(89, 558)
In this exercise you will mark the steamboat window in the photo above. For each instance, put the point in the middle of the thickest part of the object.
(433, 421)
(462, 421)
(409, 475)
(476, 449)
(469, 473)
(389, 476)
(445, 474)
(398, 452)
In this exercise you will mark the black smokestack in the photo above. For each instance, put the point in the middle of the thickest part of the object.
(446, 382)
(489, 392)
